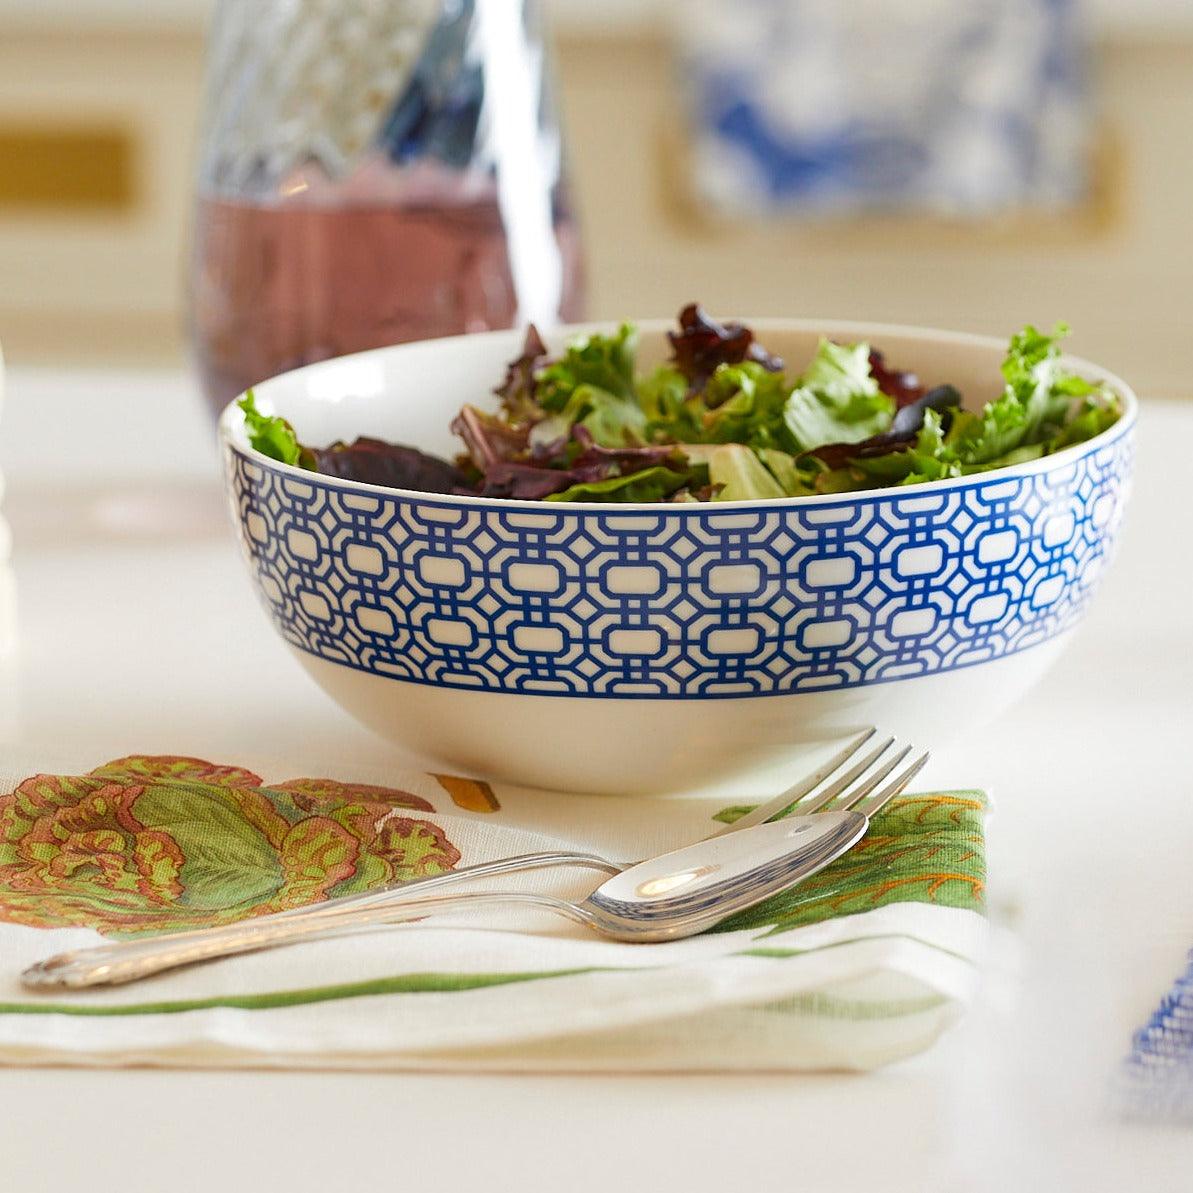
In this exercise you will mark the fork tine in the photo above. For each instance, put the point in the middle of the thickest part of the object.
(824, 798)
(774, 807)
(855, 796)
(876, 802)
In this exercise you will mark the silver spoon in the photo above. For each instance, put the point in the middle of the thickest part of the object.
(679, 893)
(674, 895)
(795, 795)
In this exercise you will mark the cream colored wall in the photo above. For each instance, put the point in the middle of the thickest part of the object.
(105, 288)
(77, 285)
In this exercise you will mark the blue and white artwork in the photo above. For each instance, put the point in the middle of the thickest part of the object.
(907, 104)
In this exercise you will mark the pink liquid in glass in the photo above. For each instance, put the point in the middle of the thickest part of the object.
(276, 287)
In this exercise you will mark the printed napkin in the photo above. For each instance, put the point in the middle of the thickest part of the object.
(864, 963)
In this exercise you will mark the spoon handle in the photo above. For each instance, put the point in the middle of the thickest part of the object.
(129, 961)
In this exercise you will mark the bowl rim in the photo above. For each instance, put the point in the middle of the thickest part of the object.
(233, 438)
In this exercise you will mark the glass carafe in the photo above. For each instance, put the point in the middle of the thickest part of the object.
(370, 172)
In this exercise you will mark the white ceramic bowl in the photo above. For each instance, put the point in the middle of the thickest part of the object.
(655, 648)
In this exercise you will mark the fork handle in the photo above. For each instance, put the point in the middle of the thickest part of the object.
(417, 887)
(128, 961)
(115, 964)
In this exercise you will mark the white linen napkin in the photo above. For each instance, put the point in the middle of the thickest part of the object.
(863, 964)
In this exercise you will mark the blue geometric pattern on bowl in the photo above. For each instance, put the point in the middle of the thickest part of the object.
(690, 601)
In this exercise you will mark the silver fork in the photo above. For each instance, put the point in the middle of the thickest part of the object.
(772, 809)
(604, 910)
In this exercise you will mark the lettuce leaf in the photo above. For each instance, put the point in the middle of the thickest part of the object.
(927, 458)
(271, 436)
(745, 405)
(837, 400)
(370, 461)
(1091, 419)
(944, 400)
(611, 420)
(1034, 406)
(650, 484)
(720, 421)
(735, 472)
(1033, 417)
(580, 465)
(592, 385)
(518, 391)
(899, 384)
(739, 403)
(783, 467)
(525, 482)
(670, 414)
(603, 362)
(490, 439)
(702, 346)
(375, 462)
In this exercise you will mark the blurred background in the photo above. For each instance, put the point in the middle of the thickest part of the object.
(1015, 160)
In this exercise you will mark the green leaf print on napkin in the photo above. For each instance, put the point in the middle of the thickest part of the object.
(920, 849)
(160, 844)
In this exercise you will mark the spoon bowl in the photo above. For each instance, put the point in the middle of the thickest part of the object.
(689, 890)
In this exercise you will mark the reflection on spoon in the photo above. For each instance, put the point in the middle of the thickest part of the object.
(652, 888)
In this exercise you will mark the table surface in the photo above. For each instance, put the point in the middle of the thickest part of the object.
(138, 632)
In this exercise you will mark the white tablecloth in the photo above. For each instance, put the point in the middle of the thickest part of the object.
(121, 534)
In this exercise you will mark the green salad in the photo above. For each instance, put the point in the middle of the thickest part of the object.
(722, 420)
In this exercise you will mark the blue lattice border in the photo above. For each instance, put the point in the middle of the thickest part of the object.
(691, 601)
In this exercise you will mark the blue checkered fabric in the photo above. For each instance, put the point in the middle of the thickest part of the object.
(1157, 1077)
